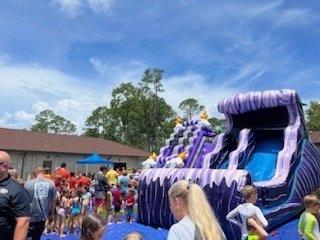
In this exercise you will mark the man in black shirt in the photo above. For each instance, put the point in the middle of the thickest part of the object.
(14, 204)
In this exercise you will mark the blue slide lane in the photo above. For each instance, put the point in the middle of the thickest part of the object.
(263, 160)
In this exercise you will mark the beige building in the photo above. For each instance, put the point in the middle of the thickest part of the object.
(30, 149)
(315, 138)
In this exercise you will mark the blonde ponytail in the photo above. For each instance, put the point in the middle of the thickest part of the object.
(198, 208)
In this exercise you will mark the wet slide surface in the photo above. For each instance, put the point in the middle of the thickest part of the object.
(262, 163)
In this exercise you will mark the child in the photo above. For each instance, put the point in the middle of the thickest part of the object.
(255, 230)
(86, 200)
(317, 193)
(129, 200)
(133, 181)
(133, 236)
(117, 202)
(308, 225)
(92, 227)
(75, 210)
(103, 206)
(72, 182)
(62, 212)
(247, 210)
(109, 206)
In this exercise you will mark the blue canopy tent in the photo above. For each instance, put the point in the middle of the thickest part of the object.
(95, 158)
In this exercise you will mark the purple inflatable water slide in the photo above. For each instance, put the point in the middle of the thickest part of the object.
(265, 143)
(193, 137)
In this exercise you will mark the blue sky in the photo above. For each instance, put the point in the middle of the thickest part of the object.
(67, 55)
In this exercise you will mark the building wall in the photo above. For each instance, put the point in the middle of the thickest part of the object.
(25, 162)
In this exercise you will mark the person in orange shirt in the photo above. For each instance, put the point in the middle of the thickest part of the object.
(63, 175)
(83, 181)
(63, 172)
(72, 181)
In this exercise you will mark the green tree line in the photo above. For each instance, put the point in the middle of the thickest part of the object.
(139, 117)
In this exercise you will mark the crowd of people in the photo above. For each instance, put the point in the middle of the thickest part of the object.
(60, 201)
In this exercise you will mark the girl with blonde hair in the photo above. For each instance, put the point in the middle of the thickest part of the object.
(190, 207)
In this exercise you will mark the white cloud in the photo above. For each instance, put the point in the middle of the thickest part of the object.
(74, 7)
(71, 7)
(23, 115)
(292, 17)
(19, 119)
(40, 106)
(4, 58)
(239, 28)
(103, 6)
(246, 74)
(271, 11)
(28, 90)
(66, 104)
(122, 71)
(192, 85)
